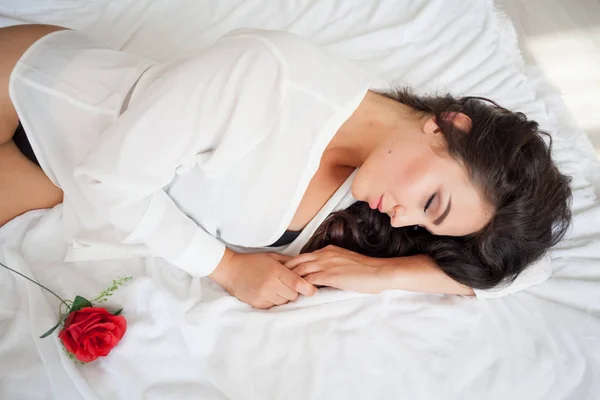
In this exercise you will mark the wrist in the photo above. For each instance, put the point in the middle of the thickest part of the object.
(222, 271)
(383, 263)
(386, 274)
(384, 271)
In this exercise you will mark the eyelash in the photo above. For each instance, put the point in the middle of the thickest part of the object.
(429, 202)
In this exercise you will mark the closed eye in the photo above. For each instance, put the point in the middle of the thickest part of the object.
(429, 202)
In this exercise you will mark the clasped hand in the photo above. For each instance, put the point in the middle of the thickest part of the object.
(264, 280)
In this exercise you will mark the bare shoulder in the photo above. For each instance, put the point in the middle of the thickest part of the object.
(14, 41)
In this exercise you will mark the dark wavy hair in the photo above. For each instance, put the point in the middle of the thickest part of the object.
(509, 162)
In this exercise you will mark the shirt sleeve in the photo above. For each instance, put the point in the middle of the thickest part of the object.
(534, 274)
(207, 111)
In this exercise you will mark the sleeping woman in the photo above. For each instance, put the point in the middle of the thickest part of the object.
(274, 167)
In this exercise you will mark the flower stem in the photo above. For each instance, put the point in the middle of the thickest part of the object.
(39, 284)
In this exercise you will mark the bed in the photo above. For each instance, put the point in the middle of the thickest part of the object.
(188, 339)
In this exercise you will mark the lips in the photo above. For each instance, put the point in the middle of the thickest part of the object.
(375, 204)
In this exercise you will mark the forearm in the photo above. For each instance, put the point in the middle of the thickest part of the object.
(419, 274)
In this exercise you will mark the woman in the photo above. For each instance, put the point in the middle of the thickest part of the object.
(219, 162)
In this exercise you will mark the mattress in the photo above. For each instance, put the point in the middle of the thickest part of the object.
(188, 339)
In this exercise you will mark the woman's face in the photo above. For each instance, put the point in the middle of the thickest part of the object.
(414, 180)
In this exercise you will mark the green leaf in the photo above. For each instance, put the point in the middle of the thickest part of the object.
(79, 303)
(118, 312)
(51, 330)
(62, 319)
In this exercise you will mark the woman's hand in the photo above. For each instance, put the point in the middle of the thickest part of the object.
(260, 279)
(342, 269)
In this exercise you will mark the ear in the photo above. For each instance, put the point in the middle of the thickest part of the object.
(459, 120)
(431, 127)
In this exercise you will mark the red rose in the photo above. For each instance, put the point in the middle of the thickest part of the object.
(92, 332)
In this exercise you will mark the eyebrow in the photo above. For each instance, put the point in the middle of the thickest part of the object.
(442, 217)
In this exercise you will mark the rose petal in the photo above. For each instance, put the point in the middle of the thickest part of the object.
(121, 323)
(98, 342)
(103, 325)
(83, 355)
(95, 311)
(69, 319)
(76, 330)
(91, 345)
(102, 346)
(81, 322)
(67, 341)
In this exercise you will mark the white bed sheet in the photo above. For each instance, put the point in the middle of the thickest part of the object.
(188, 340)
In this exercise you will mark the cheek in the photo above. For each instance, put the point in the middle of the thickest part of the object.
(401, 173)
(414, 177)
(374, 175)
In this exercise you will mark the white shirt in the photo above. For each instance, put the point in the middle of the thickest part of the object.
(212, 151)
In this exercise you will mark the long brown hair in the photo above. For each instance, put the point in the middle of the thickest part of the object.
(510, 163)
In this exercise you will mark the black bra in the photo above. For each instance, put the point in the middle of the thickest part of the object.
(287, 238)
(20, 139)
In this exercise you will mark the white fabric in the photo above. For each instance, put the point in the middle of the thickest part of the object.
(534, 274)
(187, 339)
(283, 117)
(226, 123)
(217, 129)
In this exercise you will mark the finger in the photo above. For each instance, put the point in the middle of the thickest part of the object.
(299, 259)
(286, 292)
(296, 283)
(321, 279)
(263, 305)
(279, 257)
(277, 300)
(335, 248)
(307, 268)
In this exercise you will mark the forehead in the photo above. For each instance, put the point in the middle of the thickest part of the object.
(470, 212)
